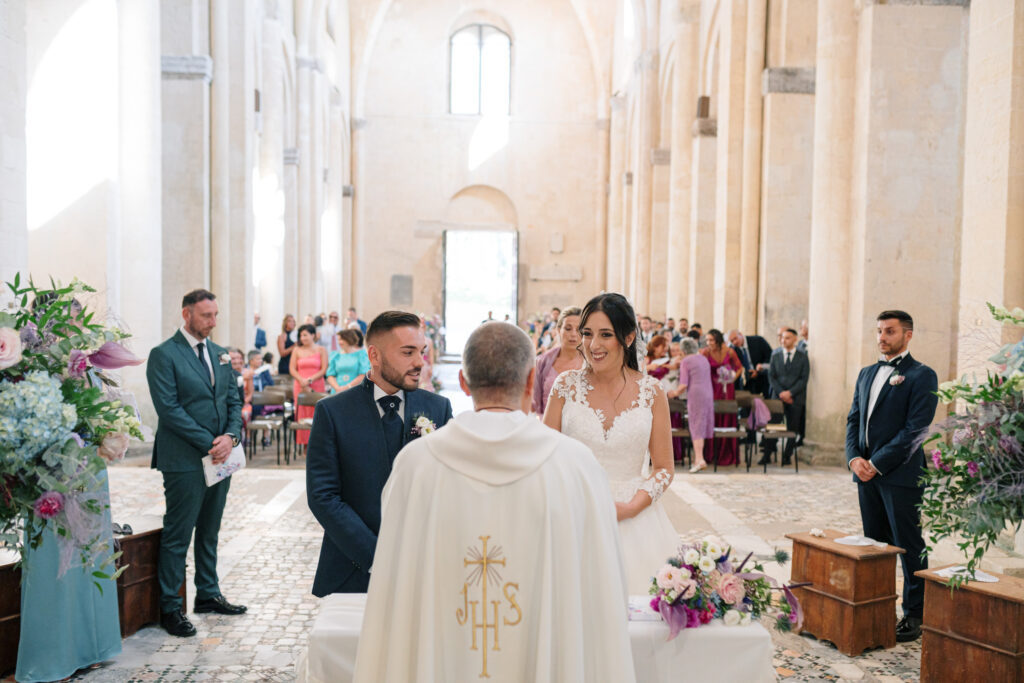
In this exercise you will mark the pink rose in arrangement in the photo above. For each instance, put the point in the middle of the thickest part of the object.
(49, 505)
(78, 363)
(114, 446)
(10, 347)
(731, 589)
(688, 589)
(937, 460)
(973, 469)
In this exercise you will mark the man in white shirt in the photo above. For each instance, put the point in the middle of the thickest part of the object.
(498, 553)
(327, 333)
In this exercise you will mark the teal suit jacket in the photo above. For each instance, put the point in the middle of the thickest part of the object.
(191, 412)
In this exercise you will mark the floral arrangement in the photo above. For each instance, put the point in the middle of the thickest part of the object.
(976, 487)
(61, 419)
(726, 375)
(423, 426)
(702, 583)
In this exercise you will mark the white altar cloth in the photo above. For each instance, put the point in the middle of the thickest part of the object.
(715, 652)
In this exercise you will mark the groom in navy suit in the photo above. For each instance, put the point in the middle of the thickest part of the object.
(893, 405)
(353, 443)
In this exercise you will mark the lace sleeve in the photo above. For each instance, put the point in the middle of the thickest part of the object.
(656, 485)
(565, 386)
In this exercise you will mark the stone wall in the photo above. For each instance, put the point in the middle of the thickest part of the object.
(13, 233)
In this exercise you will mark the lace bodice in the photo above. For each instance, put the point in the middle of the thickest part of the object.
(621, 445)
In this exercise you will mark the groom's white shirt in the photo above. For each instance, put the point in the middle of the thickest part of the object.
(555, 583)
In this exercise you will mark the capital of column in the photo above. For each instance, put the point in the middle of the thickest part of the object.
(788, 79)
(187, 67)
(931, 3)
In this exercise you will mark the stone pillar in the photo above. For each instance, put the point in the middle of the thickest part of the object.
(616, 196)
(600, 276)
(835, 87)
(729, 183)
(750, 215)
(308, 220)
(700, 306)
(684, 109)
(992, 256)
(139, 183)
(787, 167)
(660, 193)
(13, 221)
(643, 181)
(220, 163)
(185, 112)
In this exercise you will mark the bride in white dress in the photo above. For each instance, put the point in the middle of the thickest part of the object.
(622, 415)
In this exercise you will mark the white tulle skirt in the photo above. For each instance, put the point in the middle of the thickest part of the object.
(647, 541)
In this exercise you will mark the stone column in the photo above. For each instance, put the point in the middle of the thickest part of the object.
(185, 174)
(992, 256)
(139, 183)
(684, 109)
(750, 215)
(616, 197)
(13, 220)
(700, 306)
(220, 163)
(307, 217)
(787, 167)
(729, 183)
(643, 181)
(603, 199)
(660, 193)
(835, 87)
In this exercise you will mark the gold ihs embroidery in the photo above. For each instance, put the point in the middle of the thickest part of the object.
(485, 563)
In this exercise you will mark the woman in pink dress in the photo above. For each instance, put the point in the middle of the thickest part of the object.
(725, 368)
(307, 367)
(695, 382)
(564, 356)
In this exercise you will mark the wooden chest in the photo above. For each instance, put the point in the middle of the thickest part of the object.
(852, 599)
(975, 633)
(138, 588)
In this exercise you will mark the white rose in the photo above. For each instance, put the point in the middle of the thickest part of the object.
(745, 619)
(10, 347)
(684, 574)
(706, 564)
(712, 539)
(732, 618)
(714, 550)
(691, 556)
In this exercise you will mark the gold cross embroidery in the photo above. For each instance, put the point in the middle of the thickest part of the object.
(485, 571)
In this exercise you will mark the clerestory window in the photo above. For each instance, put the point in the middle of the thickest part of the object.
(481, 71)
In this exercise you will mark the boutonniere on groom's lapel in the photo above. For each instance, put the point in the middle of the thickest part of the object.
(896, 379)
(224, 358)
(423, 425)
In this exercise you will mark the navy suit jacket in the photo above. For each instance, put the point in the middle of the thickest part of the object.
(347, 466)
(793, 378)
(902, 415)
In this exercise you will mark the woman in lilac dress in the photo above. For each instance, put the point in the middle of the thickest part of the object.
(695, 382)
(564, 356)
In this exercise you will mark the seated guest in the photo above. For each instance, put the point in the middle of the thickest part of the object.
(565, 356)
(788, 374)
(348, 366)
(496, 508)
(657, 355)
(241, 374)
(754, 352)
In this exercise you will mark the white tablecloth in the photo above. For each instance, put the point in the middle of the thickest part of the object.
(714, 652)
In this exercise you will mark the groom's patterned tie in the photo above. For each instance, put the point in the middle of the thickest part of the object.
(392, 424)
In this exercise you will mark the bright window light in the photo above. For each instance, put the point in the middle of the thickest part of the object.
(481, 68)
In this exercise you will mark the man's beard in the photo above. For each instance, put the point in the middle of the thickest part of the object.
(396, 379)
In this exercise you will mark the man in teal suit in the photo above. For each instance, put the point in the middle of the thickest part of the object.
(196, 399)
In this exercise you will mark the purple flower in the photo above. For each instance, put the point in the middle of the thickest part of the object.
(49, 505)
(113, 356)
(30, 336)
(937, 458)
(961, 435)
(78, 363)
(655, 601)
(972, 468)
(78, 439)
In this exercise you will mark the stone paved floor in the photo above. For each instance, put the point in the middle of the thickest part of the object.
(270, 541)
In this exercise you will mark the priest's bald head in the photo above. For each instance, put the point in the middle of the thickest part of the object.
(498, 367)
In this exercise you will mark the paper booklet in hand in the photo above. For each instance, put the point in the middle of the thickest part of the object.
(215, 473)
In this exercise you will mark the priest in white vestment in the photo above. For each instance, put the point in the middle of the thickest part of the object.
(498, 554)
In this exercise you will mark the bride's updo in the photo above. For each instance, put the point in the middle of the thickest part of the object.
(623, 318)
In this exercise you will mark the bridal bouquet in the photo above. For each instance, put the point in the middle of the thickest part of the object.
(726, 375)
(61, 418)
(702, 583)
(976, 488)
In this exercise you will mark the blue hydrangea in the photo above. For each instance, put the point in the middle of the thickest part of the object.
(33, 416)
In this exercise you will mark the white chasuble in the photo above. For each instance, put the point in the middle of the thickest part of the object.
(498, 558)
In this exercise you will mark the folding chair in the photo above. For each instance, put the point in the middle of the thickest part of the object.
(777, 430)
(677, 406)
(269, 424)
(726, 407)
(306, 398)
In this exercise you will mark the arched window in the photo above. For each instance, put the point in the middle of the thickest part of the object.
(481, 70)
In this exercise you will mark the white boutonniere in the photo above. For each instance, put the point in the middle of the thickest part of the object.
(896, 379)
(423, 425)
(224, 358)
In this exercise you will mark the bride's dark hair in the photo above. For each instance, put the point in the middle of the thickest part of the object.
(623, 319)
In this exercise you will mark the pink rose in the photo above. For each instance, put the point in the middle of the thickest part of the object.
(10, 347)
(114, 446)
(49, 505)
(78, 363)
(731, 589)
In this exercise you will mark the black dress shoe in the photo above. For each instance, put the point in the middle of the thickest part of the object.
(218, 605)
(765, 460)
(786, 461)
(908, 629)
(177, 624)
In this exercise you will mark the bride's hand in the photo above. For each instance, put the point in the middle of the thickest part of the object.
(624, 511)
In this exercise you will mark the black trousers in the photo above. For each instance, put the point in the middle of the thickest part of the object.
(794, 413)
(890, 514)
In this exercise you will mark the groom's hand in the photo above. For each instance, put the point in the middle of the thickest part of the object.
(221, 449)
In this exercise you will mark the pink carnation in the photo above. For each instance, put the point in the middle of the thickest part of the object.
(78, 363)
(731, 589)
(49, 505)
(972, 468)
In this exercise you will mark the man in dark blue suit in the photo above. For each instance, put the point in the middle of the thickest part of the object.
(353, 443)
(893, 405)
